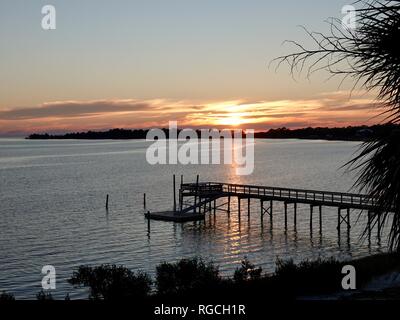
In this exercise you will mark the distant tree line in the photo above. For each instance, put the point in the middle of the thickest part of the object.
(351, 133)
(356, 133)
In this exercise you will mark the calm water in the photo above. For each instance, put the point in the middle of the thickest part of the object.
(52, 196)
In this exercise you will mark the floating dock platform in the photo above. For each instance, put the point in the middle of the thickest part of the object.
(174, 216)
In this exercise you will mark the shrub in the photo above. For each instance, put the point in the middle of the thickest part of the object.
(186, 275)
(4, 296)
(43, 296)
(310, 276)
(246, 272)
(111, 282)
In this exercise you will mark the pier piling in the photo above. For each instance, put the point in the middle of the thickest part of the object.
(320, 219)
(174, 186)
(348, 220)
(196, 195)
(229, 206)
(239, 207)
(285, 204)
(262, 211)
(148, 222)
(369, 225)
(271, 212)
(379, 227)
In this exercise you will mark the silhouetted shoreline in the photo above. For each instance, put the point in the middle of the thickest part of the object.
(351, 133)
(191, 280)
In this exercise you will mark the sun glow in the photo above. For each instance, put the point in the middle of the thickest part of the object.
(232, 120)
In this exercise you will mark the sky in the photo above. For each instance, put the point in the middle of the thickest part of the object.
(140, 64)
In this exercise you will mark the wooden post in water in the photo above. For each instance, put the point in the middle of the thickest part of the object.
(144, 201)
(369, 225)
(180, 195)
(196, 193)
(239, 207)
(148, 222)
(229, 206)
(271, 204)
(320, 219)
(107, 202)
(180, 200)
(311, 216)
(348, 220)
(174, 193)
(262, 210)
(285, 215)
(295, 215)
(339, 216)
(215, 207)
(248, 208)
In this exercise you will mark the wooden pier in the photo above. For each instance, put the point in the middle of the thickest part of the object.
(197, 199)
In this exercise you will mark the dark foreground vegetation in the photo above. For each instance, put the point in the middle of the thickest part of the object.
(191, 279)
(355, 133)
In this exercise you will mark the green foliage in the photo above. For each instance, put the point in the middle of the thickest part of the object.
(4, 296)
(186, 275)
(309, 276)
(110, 282)
(247, 272)
(43, 296)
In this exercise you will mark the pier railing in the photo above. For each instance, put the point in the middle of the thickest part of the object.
(324, 198)
(197, 199)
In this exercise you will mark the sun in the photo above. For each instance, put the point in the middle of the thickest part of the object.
(232, 120)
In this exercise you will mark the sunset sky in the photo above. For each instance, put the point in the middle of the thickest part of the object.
(139, 64)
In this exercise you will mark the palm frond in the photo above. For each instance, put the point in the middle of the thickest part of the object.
(370, 55)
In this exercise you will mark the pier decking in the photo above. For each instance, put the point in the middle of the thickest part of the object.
(196, 199)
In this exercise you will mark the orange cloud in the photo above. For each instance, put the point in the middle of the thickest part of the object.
(331, 109)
